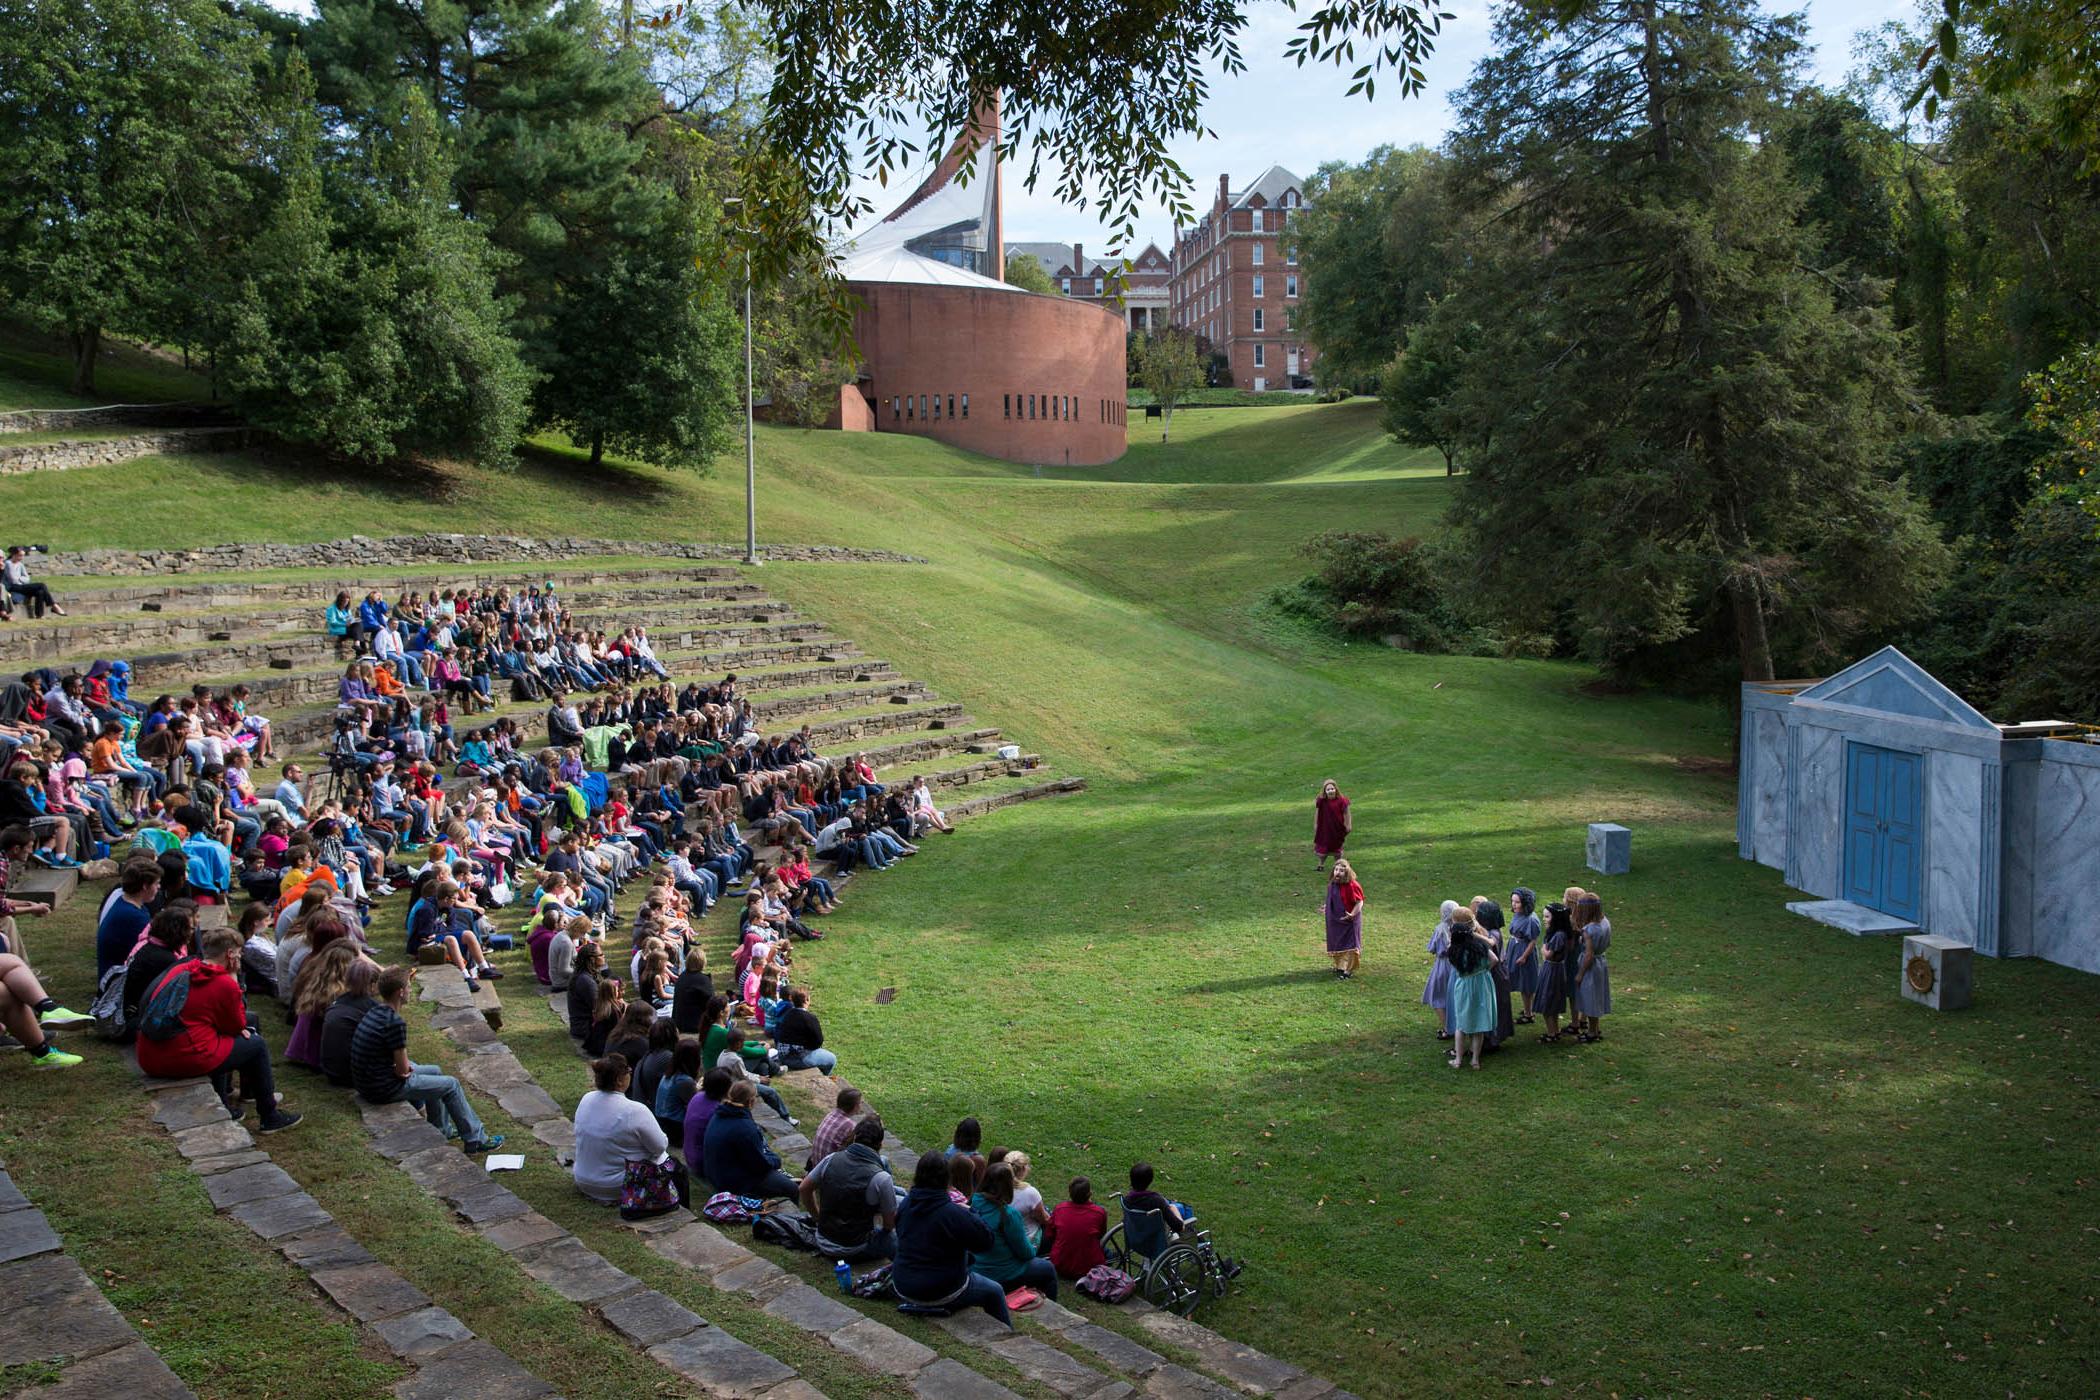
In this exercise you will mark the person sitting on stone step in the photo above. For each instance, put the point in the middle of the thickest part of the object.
(854, 1199)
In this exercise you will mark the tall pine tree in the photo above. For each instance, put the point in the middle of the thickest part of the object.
(1693, 442)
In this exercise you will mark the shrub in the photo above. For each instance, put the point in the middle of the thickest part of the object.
(1367, 584)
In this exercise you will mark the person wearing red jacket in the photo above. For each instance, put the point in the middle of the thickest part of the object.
(217, 1037)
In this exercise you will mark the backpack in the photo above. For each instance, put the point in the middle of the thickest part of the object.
(1107, 1285)
(108, 1009)
(160, 1015)
(790, 1229)
(726, 1209)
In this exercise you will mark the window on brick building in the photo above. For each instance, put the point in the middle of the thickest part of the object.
(1290, 255)
(1257, 254)
(922, 408)
(1290, 286)
(1006, 404)
(1258, 319)
(1257, 221)
(1260, 359)
(936, 408)
(951, 405)
(896, 409)
(1258, 285)
(907, 409)
(966, 406)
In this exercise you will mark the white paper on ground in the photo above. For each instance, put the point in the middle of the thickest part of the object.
(506, 1162)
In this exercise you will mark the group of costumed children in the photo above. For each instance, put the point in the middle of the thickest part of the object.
(1556, 967)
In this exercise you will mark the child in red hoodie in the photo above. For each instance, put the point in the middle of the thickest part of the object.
(1076, 1229)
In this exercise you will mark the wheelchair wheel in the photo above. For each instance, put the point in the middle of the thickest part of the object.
(1112, 1250)
(1175, 1281)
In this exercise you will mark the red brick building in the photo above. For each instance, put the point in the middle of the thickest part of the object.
(1236, 281)
(950, 351)
(1138, 293)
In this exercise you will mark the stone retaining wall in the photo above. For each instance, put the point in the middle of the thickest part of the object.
(143, 415)
(102, 452)
(362, 551)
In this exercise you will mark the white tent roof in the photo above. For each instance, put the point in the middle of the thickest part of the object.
(881, 252)
(900, 264)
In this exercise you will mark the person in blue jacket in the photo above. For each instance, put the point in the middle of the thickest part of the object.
(734, 1154)
(935, 1241)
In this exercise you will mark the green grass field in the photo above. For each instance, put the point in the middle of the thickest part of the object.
(1774, 1176)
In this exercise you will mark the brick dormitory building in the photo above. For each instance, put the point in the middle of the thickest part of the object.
(1232, 277)
(1236, 281)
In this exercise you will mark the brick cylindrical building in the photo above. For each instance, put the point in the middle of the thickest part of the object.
(1008, 373)
(951, 351)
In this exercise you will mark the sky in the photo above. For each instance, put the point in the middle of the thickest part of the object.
(1276, 113)
(1300, 118)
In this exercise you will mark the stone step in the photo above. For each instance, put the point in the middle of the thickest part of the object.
(53, 1318)
(843, 699)
(922, 747)
(464, 553)
(982, 770)
(76, 453)
(447, 1358)
(39, 884)
(179, 669)
(978, 806)
(114, 636)
(896, 721)
(237, 592)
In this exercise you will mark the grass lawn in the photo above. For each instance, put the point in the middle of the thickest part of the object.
(1774, 1176)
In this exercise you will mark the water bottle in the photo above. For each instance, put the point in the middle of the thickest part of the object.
(844, 1272)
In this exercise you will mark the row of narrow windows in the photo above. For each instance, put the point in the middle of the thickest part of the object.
(927, 409)
(1060, 408)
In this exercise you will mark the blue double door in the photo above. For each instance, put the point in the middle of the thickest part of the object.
(1884, 867)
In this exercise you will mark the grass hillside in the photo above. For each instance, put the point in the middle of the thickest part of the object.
(1773, 1176)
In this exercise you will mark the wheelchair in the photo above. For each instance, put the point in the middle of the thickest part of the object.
(1174, 1272)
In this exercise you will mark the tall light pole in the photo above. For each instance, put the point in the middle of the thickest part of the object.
(750, 410)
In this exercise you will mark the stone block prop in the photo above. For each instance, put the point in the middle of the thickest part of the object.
(1609, 850)
(1937, 971)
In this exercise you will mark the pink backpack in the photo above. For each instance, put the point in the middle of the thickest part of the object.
(1107, 1285)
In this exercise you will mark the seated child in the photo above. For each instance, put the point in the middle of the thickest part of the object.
(1180, 1216)
(1076, 1229)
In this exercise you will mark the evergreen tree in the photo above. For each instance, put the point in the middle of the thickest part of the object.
(1697, 419)
(123, 130)
(642, 351)
(566, 162)
(365, 321)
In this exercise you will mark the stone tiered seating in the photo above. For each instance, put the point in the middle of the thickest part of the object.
(705, 620)
(52, 1315)
(446, 1357)
(1046, 1343)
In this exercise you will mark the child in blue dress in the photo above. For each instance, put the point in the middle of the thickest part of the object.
(1550, 993)
(1592, 995)
(1520, 951)
(1436, 991)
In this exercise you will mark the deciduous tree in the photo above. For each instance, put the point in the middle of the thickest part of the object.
(1170, 368)
(124, 125)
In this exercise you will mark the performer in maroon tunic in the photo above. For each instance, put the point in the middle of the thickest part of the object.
(1330, 823)
(1345, 920)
